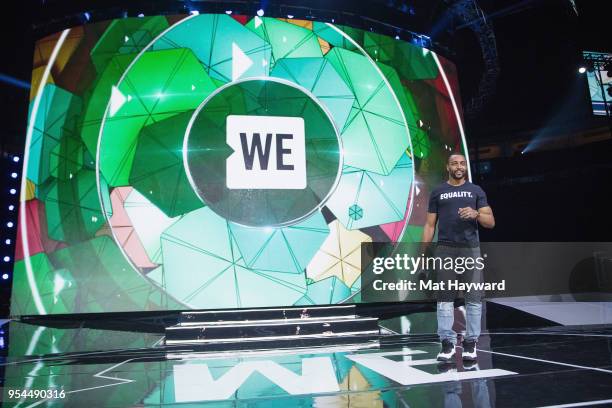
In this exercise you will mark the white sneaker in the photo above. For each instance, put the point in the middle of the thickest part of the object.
(469, 350)
(447, 352)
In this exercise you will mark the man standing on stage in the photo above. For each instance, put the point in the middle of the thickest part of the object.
(458, 206)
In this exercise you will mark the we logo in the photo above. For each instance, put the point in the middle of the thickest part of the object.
(269, 152)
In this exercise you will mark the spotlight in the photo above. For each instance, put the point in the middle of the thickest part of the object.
(13, 175)
(333, 20)
(13, 191)
(140, 15)
(582, 70)
(228, 12)
(289, 15)
(397, 37)
(7, 259)
(260, 12)
(15, 159)
(10, 224)
(7, 241)
(5, 276)
(11, 207)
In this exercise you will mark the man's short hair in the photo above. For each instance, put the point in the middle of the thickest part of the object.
(454, 154)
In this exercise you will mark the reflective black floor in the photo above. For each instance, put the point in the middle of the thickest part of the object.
(99, 368)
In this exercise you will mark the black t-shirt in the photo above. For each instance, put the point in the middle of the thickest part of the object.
(445, 200)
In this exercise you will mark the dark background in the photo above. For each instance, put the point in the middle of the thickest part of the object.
(560, 194)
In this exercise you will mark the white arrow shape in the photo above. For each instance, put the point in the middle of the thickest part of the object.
(117, 100)
(240, 62)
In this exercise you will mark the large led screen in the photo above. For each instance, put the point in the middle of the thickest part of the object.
(600, 83)
(217, 161)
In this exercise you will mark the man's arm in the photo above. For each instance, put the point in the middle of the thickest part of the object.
(430, 227)
(484, 215)
(486, 218)
(429, 230)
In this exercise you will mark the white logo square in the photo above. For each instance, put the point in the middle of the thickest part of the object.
(269, 152)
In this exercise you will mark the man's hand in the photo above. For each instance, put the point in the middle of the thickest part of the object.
(468, 213)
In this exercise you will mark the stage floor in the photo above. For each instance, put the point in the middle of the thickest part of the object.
(569, 366)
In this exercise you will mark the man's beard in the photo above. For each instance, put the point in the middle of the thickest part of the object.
(452, 174)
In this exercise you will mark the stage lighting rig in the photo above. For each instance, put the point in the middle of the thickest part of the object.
(11, 165)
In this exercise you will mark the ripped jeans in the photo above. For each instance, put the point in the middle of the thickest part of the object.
(473, 299)
(445, 314)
